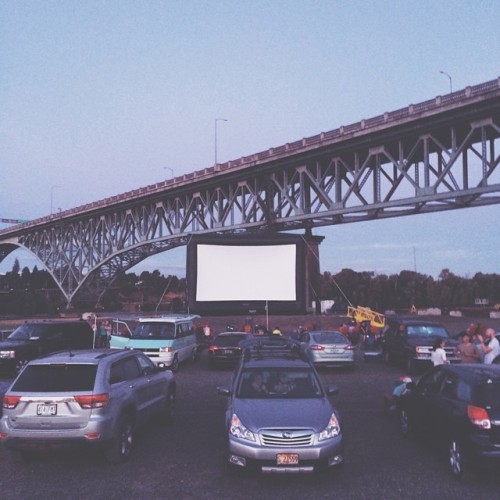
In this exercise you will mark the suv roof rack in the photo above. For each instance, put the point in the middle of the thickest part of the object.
(272, 347)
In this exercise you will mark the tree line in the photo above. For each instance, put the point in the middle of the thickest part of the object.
(28, 292)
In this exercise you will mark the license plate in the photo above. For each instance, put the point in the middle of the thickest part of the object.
(287, 458)
(46, 410)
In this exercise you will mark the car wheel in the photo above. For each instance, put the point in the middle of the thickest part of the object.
(456, 458)
(404, 423)
(175, 364)
(120, 448)
(20, 365)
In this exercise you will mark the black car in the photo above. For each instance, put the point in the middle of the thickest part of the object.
(456, 407)
(410, 341)
(225, 349)
(34, 338)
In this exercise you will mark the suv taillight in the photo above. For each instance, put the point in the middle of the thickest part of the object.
(10, 402)
(479, 417)
(91, 401)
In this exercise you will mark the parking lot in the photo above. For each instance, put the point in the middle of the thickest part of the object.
(184, 460)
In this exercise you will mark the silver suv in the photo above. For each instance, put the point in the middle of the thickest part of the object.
(279, 418)
(96, 397)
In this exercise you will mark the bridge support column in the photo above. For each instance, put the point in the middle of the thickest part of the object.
(312, 271)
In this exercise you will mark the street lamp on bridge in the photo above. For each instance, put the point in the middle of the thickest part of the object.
(216, 121)
(171, 170)
(449, 77)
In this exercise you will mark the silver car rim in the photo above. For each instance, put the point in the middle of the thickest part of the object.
(126, 436)
(456, 459)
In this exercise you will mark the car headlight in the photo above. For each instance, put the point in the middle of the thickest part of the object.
(7, 354)
(237, 429)
(331, 430)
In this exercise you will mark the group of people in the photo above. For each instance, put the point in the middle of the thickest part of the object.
(474, 347)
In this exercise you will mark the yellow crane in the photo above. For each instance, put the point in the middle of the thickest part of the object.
(360, 314)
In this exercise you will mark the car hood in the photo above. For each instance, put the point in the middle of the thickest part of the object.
(8, 345)
(258, 414)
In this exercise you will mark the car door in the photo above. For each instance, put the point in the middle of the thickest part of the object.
(133, 384)
(424, 402)
(156, 389)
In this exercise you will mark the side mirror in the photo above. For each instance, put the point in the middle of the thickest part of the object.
(332, 390)
(224, 391)
(161, 367)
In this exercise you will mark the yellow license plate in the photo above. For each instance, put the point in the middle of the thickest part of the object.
(287, 458)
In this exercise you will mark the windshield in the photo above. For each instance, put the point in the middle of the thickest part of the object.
(427, 331)
(283, 383)
(154, 330)
(26, 332)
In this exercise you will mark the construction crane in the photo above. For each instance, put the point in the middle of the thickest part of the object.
(360, 314)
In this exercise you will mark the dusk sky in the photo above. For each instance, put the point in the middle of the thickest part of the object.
(102, 97)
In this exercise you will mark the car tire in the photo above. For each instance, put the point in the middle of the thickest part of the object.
(175, 364)
(120, 448)
(456, 459)
(404, 423)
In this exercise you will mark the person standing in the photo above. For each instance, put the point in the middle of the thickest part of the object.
(490, 346)
(467, 351)
(438, 355)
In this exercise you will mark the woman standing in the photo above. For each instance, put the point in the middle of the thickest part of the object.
(438, 355)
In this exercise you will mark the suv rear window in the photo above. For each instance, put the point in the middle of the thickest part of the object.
(56, 378)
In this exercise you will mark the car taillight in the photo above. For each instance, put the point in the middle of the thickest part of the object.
(479, 417)
(317, 348)
(349, 347)
(87, 402)
(213, 348)
(10, 402)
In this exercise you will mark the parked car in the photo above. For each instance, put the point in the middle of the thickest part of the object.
(225, 350)
(35, 338)
(94, 397)
(410, 341)
(167, 340)
(328, 348)
(279, 418)
(457, 407)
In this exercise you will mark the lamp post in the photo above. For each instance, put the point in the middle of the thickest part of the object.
(449, 77)
(216, 121)
(171, 171)
(52, 197)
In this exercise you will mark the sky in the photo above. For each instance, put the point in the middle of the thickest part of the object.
(100, 97)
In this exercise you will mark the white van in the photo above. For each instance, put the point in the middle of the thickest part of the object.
(168, 339)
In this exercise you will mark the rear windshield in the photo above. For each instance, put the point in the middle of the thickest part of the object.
(154, 330)
(229, 340)
(489, 394)
(427, 331)
(56, 378)
(329, 338)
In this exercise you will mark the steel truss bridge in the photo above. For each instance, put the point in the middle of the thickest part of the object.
(441, 154)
